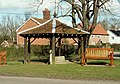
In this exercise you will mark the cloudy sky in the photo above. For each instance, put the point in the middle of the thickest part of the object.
(21, 6)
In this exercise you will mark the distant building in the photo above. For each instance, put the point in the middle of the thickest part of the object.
(114, 36)
(6, 43)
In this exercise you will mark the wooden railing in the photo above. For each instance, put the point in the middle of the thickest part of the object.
(98, 53)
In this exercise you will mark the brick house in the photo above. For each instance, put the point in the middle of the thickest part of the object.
(31, 23)
(99, 34)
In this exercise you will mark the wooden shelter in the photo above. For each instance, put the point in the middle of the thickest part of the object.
(53, 30)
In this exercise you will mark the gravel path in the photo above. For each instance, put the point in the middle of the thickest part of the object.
(30, 80)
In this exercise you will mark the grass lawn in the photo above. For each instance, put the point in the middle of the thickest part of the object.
(62, 71)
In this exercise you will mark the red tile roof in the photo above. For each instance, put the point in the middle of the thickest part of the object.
(99, 30)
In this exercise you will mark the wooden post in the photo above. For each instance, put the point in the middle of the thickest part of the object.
(53, 49)
(83, 49)
(25, 50)
(111, 59)
(79, 49)
(50, 58)
(29, 50)
(59, 44)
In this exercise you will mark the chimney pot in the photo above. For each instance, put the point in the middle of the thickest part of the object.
(46, 14)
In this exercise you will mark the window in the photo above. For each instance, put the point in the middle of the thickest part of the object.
(98, 36)
(112, 37)
(92, 36)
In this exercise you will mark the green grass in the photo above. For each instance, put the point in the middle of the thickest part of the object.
(62, 71)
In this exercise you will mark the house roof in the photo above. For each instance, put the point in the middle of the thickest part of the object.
(99, 30)
(117, 33)
(36, 20)
(39, 20)
(52, 26)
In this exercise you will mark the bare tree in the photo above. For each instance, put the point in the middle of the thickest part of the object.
(8, 28)
(3, 29)
(85, 10)
(87, 13)
(27, 15)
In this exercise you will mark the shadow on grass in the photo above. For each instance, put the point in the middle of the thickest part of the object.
(97, 63)
(46, 61)
(41, 60)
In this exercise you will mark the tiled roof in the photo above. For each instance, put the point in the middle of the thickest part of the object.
(46, 27)
(39, 20)
(116, 32)
(99, 30)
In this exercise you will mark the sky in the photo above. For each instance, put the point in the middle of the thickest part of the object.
(19, 7)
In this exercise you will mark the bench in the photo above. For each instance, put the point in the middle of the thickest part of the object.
(2, 57)
(98, 54)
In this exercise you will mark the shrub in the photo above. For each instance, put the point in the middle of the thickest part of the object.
(38, 52)
(13, 52)
(116, 47)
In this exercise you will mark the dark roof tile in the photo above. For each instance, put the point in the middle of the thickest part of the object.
(116, 32)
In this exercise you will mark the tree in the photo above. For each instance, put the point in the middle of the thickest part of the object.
(105, 24)
(27, 15)
(85, 10)
(8, 28)
(87, 13)
(3, 29)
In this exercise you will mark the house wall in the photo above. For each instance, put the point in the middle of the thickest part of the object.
(95, 38)
(29, 24)
(113, 39)
(38, 41)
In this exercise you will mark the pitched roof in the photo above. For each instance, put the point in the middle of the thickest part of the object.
(99, 30)
(36, 20)
(47, 27)
(117, 33)
(39, 20)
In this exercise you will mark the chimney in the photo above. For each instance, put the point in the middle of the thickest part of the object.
(46, 14)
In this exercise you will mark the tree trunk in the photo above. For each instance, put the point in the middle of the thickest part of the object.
(73, 15)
